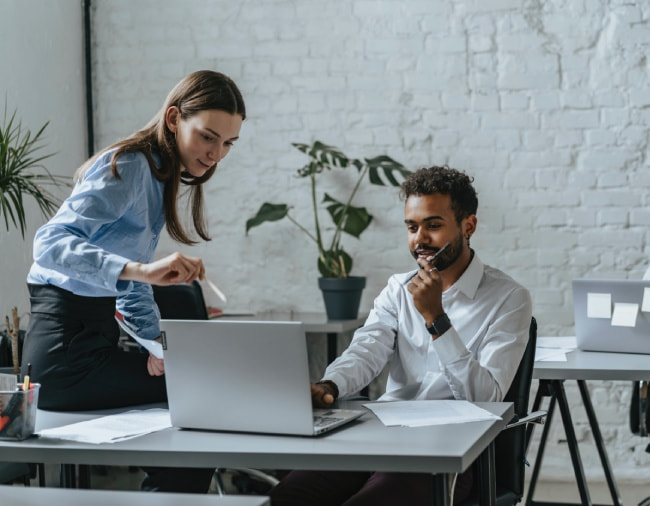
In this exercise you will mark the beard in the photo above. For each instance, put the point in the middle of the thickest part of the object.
(448, 257)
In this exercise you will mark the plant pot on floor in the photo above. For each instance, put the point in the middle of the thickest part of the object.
(342, 296)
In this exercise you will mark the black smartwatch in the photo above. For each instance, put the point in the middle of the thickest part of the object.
(440, 325)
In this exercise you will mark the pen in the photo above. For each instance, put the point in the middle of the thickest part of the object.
(214, 288)
(437, 254)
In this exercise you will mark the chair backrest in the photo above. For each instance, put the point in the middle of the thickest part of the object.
(510, 445)
(181, 302)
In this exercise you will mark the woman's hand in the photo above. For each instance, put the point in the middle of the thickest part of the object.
(171, 270)
(155, 366)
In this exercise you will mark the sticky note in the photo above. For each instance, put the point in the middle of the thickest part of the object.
(645, 305)
(599, 305)
(624, 314)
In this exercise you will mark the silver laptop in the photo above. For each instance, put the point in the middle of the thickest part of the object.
(612, 315)
(249, 376)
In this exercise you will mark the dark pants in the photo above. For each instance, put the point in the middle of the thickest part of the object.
(344, 488)
(71, 344)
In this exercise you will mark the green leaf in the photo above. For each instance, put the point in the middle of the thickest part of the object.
(268, 212)
(21, 171)
(322, 157)
(388, 167)
(352, 220)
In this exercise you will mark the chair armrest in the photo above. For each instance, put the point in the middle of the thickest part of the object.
(534, 417)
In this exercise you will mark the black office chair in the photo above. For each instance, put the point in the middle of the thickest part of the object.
(511, 444)
(181, 302)
(186, 302)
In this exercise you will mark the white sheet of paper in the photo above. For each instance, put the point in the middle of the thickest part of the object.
(551, 354)
(645, 305)
(112, 428)
(599, 305)
(624, 314)
(421, 413)
(153, 347)
(559, 342)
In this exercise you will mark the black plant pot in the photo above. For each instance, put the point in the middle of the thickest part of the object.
(342, 296)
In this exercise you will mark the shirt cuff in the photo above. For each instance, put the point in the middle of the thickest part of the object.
(449, 346)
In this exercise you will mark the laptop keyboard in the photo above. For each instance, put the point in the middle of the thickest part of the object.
(324, 420)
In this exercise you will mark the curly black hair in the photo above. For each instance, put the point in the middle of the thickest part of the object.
(446, 181)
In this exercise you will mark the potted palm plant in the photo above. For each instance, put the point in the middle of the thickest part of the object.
(334, 263)
(22, 174)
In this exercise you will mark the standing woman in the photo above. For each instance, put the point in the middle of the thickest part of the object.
(96, 255)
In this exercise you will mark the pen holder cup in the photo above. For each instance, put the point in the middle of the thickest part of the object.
(18, 413)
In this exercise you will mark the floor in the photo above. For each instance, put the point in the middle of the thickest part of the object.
(631, 494)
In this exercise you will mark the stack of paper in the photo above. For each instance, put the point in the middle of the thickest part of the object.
(112, 428)
(423, 412)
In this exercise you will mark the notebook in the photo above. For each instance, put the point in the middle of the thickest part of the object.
(247, 376)
(612, 315)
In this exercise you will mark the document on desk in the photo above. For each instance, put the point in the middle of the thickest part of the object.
(425, 412)
(554, 349)
(112, 428)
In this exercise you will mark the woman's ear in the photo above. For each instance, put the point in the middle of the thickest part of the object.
(172, 118)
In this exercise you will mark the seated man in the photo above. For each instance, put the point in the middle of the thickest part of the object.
(452, 329)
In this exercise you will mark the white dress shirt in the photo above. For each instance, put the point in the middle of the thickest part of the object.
(475, 360)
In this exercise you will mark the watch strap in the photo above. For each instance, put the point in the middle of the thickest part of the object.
(440, 325)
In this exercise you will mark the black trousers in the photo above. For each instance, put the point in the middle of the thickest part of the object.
(350, 488)
(71, 344)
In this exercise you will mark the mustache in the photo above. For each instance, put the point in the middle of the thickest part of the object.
(420, 250)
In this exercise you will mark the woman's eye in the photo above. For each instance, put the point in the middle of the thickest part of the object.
(206, 137)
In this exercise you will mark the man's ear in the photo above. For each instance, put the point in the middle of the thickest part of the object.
(172, 118)
(469, 226)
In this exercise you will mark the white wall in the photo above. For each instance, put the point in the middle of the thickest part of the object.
(41, 76)
(547, 104)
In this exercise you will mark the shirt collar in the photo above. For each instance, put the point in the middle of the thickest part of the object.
(471, 278)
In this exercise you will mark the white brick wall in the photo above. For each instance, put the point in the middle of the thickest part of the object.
(545, 103)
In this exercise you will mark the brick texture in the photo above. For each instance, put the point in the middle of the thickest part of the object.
(547, 104)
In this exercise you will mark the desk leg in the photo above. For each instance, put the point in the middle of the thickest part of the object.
(68, 476)
(572, 441)
(487, 477)
(598, 439)
(542, 442)
(441, 489)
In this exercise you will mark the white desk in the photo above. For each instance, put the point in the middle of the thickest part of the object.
(582, 366)
(37, 496)
(364, 445)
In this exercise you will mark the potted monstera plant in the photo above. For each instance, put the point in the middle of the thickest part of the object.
(22, 174)
(341, 291)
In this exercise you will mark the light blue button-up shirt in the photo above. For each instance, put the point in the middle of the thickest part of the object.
(105, 223)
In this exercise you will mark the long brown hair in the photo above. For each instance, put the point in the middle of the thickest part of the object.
(198, 91)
